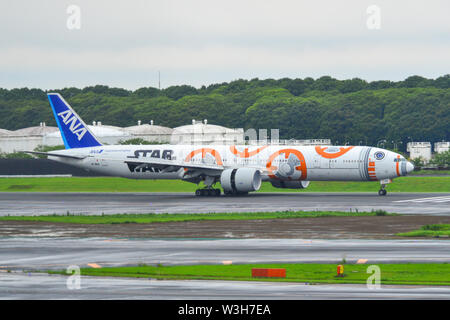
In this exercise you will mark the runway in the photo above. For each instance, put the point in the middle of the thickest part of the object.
(20, 255)
(50, 287)
(34, 203)
(51, 253)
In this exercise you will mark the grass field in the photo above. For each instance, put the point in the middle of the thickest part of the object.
(429, 230)
(106, 184)
(160, 218)
(405, 274)
(430, 173)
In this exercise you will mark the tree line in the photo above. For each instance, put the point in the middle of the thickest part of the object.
(353, 111)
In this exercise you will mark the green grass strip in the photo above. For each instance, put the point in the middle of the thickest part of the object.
(400, 274)
(164, 217)
(430, 172)
(111, 184)
(429, 231)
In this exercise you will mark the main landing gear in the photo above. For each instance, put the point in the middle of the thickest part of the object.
(231, 193)
(208, 192)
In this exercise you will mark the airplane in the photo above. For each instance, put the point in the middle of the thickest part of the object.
(239, 169)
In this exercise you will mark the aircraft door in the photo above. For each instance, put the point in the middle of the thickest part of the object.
(321, 163)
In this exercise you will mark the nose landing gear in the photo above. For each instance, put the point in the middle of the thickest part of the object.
(382, 191)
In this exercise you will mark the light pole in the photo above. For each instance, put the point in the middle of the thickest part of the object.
(409, 142)
(396, 143)
(381, 142)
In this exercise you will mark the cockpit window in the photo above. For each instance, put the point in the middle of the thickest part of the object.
(399, 160)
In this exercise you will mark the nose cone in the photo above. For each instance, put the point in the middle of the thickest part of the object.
(409, 167)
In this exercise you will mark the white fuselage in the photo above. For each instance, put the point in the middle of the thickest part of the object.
(282, 163)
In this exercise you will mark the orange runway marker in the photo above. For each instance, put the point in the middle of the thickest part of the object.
(94, 265)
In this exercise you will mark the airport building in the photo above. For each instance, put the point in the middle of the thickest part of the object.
(106, 134)
(13, 143)
(442, 146)
(27, 139)
(24, 139)
(292, 142)
(150, 132)
(419, 150)
(203, 133)
(4, 132)
(199, 132)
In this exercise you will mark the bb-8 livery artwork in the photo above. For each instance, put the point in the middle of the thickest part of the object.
(291, 165)
(238, 169)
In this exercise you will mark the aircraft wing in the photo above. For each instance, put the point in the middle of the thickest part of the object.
(170, 166)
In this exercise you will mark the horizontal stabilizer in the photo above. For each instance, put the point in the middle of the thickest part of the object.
(55, 155)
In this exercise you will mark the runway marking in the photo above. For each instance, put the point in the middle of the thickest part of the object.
(361, 261)
(441, 199)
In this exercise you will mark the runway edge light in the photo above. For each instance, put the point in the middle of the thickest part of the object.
(340, 270)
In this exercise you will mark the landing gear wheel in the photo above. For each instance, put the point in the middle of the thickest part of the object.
(235, 193)
(207, 192)
(382, 191)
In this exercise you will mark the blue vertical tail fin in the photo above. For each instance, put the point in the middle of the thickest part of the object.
(74, 131)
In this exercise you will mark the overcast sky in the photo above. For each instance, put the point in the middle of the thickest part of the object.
(199, 42)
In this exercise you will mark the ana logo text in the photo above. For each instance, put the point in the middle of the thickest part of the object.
(74, 125)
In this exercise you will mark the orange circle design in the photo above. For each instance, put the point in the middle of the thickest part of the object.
(204, 151)
(287, 153)
(342, 151)
(246, 153)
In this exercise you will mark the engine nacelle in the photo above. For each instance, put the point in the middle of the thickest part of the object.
(290, 184)
(240, 180)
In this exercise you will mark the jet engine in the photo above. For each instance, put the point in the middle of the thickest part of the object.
(240, 180)
(290, 184)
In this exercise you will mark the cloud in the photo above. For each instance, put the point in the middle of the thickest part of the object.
(225, 57)
(231, 39)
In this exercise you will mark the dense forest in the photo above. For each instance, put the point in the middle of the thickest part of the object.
(346, 111)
